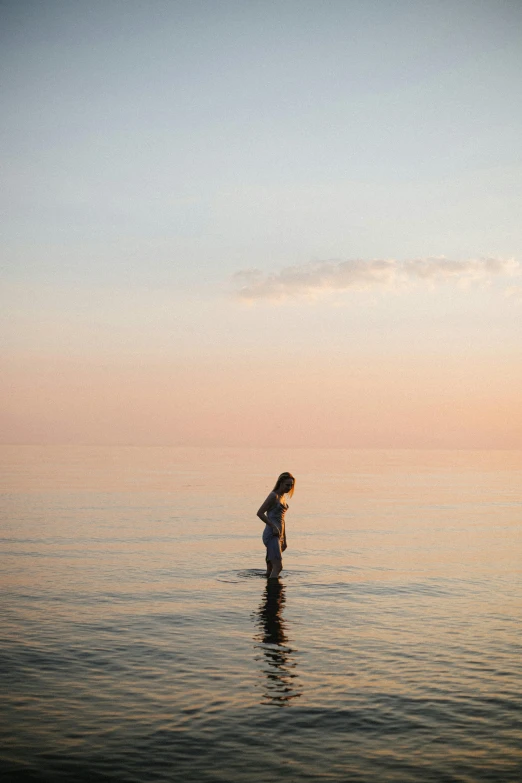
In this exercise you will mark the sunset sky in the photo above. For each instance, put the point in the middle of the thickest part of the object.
(262, 223)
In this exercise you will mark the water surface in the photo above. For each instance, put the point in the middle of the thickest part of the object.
(140, 641)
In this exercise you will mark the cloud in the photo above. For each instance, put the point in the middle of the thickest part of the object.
(318, 279)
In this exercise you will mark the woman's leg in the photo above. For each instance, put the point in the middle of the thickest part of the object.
(268, 568)
(276, 570)
(273, 557)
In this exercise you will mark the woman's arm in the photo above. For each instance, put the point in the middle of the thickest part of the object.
(267, 505)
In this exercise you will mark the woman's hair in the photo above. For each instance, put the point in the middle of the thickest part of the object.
(280, 480)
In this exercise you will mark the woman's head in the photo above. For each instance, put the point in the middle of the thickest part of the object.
(285, 484)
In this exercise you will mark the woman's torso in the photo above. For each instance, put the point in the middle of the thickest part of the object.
(276, 515)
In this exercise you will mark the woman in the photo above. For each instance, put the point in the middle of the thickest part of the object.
(272, 513)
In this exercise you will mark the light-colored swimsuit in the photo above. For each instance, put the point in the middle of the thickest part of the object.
(275, 544)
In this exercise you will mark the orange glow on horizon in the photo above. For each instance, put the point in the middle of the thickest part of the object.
(378, 401)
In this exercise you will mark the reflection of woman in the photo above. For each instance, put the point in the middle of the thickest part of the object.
(277, 656)
(271, 614)
(272, 513)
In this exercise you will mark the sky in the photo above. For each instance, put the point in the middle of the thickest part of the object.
(261, 223)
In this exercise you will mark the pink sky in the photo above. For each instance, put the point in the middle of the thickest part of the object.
(412, 386)
(241, 226)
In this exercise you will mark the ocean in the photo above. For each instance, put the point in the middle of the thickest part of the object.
(141, 642)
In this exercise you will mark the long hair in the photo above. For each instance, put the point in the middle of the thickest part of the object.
(280, 480)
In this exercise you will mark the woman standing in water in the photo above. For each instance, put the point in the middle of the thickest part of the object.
(272, 513)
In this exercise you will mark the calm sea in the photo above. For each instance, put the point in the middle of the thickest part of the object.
(140, 641)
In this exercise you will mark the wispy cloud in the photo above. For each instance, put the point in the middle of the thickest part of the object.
(316, 279)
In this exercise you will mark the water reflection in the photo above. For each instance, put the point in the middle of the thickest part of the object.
(279, 681)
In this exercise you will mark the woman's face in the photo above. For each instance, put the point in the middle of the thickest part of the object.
(286, 485)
